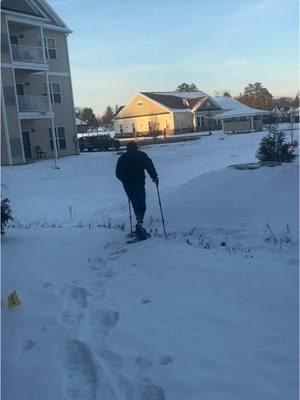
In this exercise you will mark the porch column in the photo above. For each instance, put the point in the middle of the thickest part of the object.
(252, 124)
(52, 121)
(6, 132)
(222, 122)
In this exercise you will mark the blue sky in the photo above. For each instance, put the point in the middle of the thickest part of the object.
(118, 48)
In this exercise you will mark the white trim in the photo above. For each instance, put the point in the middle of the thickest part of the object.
(43, 44)
(52, 121)
(31, 21)
(8, 37)
(53, 14)
(16, 14)
(6, 131)
(53, 73)
(18, 111)
(36, 7)
(34, 115)
(72, 96)
(21, 65)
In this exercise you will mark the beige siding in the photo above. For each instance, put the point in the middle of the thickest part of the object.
(242, 126)
(161, 122)
(60, 64)
(183, 121)
(148, 107)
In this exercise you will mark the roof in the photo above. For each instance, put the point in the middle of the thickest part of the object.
(80, 122)
(35, 8)
(233, 108)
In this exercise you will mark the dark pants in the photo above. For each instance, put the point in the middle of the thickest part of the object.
(137, 195)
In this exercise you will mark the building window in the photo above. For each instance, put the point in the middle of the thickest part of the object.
(13, 39)
(121, 128)
(60, 137)
(50, 47)
(149, 125)
(20, 89)
(198, 122)
(55, 93)
(133, 127)
(140, 103)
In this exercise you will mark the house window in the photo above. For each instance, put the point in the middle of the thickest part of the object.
(60, 137)
(140, 103)
(20, 89)
(13, 39)
(55, 93)
(50, 47)
(198, 122)
(121, 128)
(149, 125)
(133, 127)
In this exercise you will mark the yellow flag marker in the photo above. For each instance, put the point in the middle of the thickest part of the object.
(13, 300)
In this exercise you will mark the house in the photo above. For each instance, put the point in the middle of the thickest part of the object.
(36, 88)
(169, 113)
(82, 126)
(237, 117)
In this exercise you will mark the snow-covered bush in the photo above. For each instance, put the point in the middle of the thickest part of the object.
(273, 147)
(6, 214)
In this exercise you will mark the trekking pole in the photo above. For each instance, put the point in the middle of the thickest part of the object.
(130, 216)
(161, 211)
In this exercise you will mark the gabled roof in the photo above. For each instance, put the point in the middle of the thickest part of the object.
(179, 101)
(35, 8)
(80, 122)
(233, 109)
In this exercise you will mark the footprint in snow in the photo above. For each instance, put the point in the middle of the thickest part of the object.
(27, 346)
(143, 362)
(46, 285)
(165, 360)
(142, 391)
(74, 300)
(79, 371)
(146, 301)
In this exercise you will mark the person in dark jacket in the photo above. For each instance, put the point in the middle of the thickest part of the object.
(130, 171)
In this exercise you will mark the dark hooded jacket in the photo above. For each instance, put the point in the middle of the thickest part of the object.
(131, 167)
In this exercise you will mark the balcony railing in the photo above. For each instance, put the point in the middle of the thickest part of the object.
(27, 53)
(33, 104)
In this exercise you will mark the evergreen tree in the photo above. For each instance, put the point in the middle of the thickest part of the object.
(185, 87)
(274, 148)
(6, 214)
(108, 115)
(256, 96)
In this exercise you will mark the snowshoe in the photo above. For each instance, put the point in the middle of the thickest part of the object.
(139, 235)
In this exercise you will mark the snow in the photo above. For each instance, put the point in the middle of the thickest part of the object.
(210, 313)
(234, 108)
(80, 122)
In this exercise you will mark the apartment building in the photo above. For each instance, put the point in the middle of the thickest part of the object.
(37, 107)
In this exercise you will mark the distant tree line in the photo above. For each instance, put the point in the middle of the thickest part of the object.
(255, 95)
(87, 115)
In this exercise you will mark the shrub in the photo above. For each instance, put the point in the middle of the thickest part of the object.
(274, 148)
(6, 214)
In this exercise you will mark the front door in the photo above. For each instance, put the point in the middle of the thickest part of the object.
(26, 145)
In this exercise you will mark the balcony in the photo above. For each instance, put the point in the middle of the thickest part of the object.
(27, 54)
(33, 104)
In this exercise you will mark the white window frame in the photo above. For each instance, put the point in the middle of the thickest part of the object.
(57, 138)
(46, 38)
(52, 93)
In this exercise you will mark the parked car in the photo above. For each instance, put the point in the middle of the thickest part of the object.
(99, 142)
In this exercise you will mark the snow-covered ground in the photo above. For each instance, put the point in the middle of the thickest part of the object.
(211, 313)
